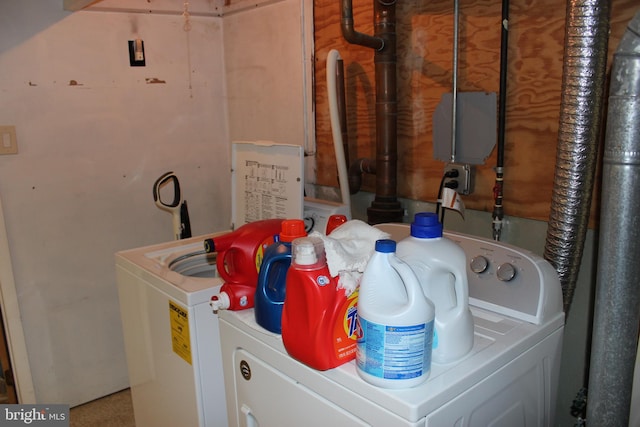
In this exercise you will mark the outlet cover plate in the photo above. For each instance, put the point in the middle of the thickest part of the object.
(8, 140)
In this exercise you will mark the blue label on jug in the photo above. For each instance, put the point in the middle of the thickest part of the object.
(395, 352)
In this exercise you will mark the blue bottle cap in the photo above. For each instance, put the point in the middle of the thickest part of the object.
(426, 225)
(385, 246)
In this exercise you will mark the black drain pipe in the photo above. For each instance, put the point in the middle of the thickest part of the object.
(351, 35)
(498, 188)
(385, 207)
(617, 304)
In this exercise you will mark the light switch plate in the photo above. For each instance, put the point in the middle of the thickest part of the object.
(8, 140)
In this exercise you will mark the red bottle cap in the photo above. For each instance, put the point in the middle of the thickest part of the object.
(292, 229)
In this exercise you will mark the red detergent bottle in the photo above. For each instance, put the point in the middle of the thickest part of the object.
(319, 322)
(334, 222)
(271, 289)
(239, 256)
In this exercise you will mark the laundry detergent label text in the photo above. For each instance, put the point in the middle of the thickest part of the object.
(347, 331)
(34, 415)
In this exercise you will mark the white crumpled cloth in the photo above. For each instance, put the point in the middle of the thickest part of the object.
(348, 249)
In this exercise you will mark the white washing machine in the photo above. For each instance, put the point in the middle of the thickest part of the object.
(510, 377)
(171, 333)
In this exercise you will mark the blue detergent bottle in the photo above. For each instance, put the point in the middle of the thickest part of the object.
(270, 291)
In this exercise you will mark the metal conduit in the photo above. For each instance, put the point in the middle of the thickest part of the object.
(581, 112)
(454, 88)
(617, 307)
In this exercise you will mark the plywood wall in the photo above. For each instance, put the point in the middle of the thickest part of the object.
(425, 55)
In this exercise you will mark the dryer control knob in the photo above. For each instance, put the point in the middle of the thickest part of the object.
(479, 264)
(506, 272)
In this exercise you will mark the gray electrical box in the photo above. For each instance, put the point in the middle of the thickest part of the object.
(476, 124)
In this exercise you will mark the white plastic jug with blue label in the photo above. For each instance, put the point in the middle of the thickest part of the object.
(396, 320)
(440, 265)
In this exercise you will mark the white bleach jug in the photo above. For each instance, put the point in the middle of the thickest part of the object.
(440, 265)
(396, 322)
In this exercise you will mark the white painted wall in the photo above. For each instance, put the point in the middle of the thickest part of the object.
(80, 187)
(267, 61)
(94, 134)
(269, 64)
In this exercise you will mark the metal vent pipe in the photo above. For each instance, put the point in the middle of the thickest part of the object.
(579, 133)
(617, 306)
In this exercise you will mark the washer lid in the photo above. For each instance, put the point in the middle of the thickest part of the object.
(267, 181)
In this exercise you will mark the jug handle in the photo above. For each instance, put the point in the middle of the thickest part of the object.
(411, 283)
(220, 263)
(461, 285)
(265, 268)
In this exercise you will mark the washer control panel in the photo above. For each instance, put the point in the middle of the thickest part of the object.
(503, 278)
(509, 280)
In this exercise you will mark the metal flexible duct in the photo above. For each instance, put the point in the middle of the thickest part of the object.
(585, 59)
(617, 307)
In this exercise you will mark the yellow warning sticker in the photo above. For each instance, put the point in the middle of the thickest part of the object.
(180, 341)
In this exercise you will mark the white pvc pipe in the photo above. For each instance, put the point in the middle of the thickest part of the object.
(332, 59)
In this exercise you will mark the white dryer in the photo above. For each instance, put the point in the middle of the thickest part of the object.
(510, 377)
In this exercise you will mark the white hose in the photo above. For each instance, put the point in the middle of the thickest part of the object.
(332, 59)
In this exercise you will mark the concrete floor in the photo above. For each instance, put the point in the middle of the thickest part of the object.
(115, 410)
